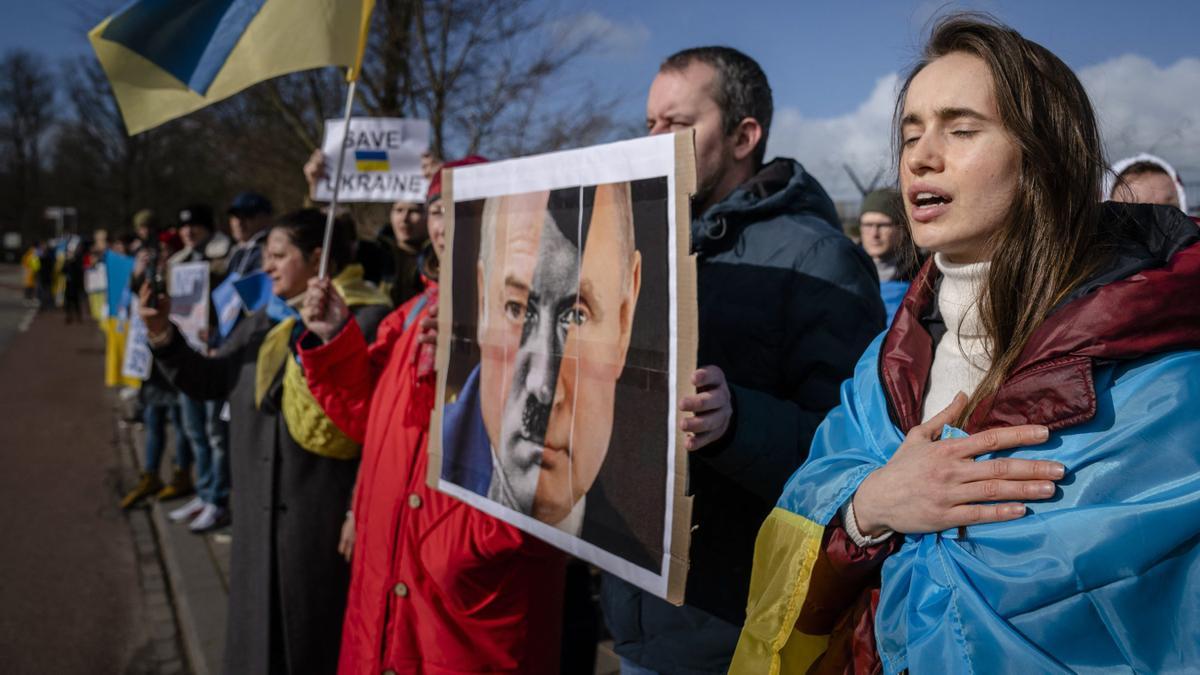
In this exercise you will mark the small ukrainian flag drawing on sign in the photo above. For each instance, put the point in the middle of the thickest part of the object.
(371, 160)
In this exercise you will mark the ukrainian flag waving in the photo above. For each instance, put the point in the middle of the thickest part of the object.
(167, 58)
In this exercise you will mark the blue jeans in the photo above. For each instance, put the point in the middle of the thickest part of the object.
(194, 422)
(630, 668)
(156, 418)
(217, 489)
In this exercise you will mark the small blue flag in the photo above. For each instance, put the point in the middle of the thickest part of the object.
(228, 304)
(254, 290)
(119, 269)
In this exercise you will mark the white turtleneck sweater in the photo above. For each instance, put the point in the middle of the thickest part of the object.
(959, 362)
(961, 359)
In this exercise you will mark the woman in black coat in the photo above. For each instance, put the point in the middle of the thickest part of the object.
(292, 470)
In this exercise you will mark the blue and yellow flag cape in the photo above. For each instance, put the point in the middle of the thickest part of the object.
(167, 58)
(1105, 577)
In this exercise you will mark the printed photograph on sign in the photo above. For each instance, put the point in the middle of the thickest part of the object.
(558, 389)
(188, 288)
(137, 360)
(382, 161)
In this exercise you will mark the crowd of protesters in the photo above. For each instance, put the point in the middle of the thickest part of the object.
(961, 443)
(53, 273)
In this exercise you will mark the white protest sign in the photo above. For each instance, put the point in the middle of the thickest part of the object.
(95, 279)
(382, 163)
(188, 288)
(137, 360)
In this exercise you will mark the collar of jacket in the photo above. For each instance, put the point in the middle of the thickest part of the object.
(782, 186)
(1140, 305)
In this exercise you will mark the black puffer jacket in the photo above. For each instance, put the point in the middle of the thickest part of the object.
(787, 304)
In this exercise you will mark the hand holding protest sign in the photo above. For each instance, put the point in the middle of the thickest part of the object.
(324, 312)
(429, 327)
(189, 306)
(153, 312)
(711, 408)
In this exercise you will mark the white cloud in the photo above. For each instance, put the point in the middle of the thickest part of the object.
(607, 37)
(1141, 107)
(1145, 108)
(860, 139)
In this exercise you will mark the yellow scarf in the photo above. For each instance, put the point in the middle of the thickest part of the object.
(306, 421)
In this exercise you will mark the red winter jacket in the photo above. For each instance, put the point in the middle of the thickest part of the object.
(437, 587)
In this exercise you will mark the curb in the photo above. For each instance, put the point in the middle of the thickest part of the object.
(197, 589)
(163, 654)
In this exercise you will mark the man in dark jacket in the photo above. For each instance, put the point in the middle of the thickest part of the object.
(787, 304)
(250, 216)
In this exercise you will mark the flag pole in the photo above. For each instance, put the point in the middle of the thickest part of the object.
(337, 182)
(368, 6)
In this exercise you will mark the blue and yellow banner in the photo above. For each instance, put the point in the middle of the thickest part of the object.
(1100, 578)
(167, 58)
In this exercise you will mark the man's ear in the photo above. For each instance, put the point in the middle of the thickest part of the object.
(629, 304)
(314, 258)
(746, 137)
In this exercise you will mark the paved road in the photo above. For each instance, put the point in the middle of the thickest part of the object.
(13, 309)
(70, 596)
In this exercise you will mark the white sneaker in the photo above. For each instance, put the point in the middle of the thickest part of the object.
(210, 518)
(188, 511)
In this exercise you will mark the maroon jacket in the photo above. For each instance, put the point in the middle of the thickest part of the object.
(1143, 303)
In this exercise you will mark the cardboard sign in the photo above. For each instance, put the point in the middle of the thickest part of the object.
(566, 337)
(188, 287)
(95, 279)
(382, 159)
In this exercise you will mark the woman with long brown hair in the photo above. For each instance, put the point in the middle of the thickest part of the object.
(1011, 482)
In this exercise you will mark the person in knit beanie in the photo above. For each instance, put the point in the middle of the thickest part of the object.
(885, 238)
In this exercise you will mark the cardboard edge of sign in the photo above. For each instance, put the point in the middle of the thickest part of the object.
(433, 467)
(686, 331)
(685, 364)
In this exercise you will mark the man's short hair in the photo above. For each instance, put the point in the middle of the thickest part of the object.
(625, 234)
(740, 89)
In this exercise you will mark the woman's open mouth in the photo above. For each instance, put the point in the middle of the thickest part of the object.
(928, 203)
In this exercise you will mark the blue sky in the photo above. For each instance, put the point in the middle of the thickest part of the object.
(825, 57)
(832, 64)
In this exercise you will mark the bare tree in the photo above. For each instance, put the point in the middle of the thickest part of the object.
(387, 79)
(479, 60)
(26, 114)
(109, 175)
(496, 77)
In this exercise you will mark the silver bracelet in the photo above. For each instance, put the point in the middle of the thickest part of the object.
(851, 525)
